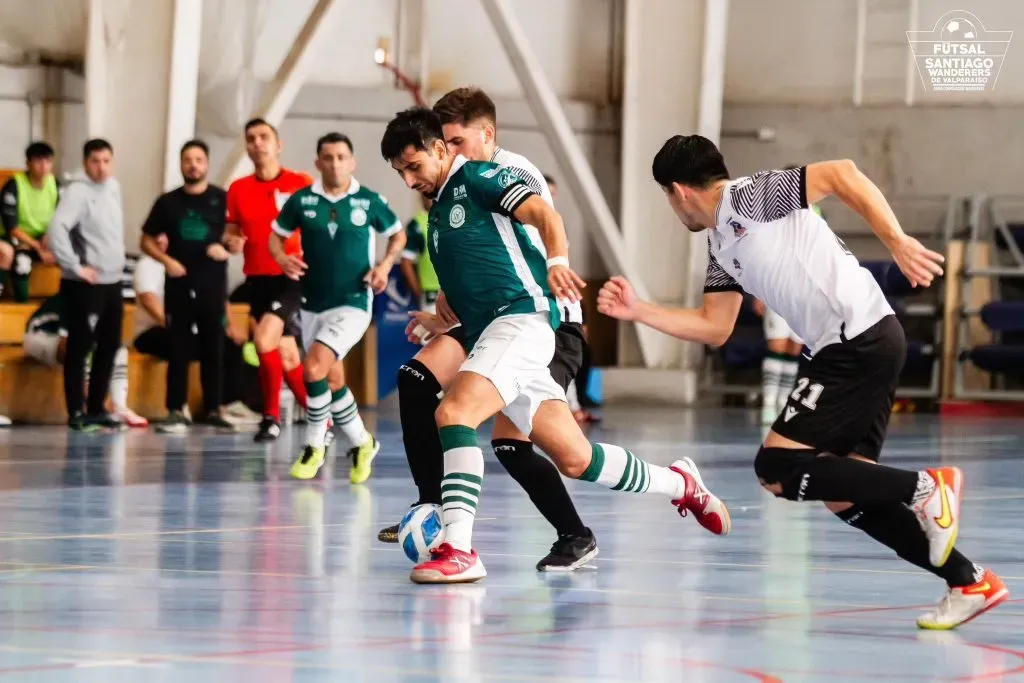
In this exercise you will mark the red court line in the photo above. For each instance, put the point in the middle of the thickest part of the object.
(958, 679)
(32, 668)
(144, 632)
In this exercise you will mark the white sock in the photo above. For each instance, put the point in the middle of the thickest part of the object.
(119, 380)
(460, 488)
(925, 489)
(771, 376)
(572, 397)
(786, 381)
(346, 416)
(618, 469)
(318, 411)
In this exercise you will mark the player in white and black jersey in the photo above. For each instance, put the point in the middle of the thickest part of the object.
(469, 119)
(763, 238)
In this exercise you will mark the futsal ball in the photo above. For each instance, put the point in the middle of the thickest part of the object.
(959, 30)
(420, 531)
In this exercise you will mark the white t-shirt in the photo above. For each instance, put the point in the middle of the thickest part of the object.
(149, 278)
(769, 243)
(531, 175)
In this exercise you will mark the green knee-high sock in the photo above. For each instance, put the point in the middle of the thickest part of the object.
(318, 410)
(346, 417)
(620, 470)
(460, 488)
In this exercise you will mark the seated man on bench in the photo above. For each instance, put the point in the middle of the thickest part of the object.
(46, 340)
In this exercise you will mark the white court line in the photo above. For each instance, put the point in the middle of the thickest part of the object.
(393, 548)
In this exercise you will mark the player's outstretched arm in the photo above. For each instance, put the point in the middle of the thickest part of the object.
(845, 181)
(538, 213)
(710, 324)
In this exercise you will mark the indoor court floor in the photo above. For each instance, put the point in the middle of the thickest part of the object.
(136, 556)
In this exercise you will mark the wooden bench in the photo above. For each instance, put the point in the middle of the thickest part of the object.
(33, 393)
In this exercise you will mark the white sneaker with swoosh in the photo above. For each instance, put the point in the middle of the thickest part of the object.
(939, 513)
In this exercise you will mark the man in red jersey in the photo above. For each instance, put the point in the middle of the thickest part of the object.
(253, 204)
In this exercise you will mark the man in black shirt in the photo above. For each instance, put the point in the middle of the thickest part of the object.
(195, 291)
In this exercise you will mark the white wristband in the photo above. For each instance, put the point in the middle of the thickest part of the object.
(558, 261)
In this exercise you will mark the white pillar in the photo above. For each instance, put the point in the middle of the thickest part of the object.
(674, 58)
(280, 94)
(580, 177)
(183, 85)
(95, 70)
(128, 70)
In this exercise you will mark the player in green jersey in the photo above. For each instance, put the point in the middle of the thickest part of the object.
(503, 291)
(337, 219)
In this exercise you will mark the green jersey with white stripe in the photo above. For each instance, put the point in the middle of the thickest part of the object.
(337, 242)
(486, 263)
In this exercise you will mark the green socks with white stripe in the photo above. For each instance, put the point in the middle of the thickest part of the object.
(346, 417)
(620, 470)
(323, 404)
(318, 409)
(460, 488)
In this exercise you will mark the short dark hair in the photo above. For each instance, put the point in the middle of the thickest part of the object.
(549, 179)
(38, 150)
(463, 105)
(690, 160)
(417, 127)
(252, 123)
(197, 144)
(96, 145)
(332, 138)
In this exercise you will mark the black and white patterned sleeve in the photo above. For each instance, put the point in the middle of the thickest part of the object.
(771, 195)
(530, 179)
(717, 280)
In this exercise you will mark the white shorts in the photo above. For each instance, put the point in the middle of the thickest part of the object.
(775, 327)
(513, 352)
(42, 346)
(339, 329)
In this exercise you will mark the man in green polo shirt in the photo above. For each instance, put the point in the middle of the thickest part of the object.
(338, 220)
(28, 201)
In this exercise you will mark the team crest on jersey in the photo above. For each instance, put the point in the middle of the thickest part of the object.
(457, 216)
(309, 213)
(357, 217)
(737, 266)
(506, 179)
(737, 229)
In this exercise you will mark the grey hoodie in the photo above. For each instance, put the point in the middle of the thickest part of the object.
(87, 229)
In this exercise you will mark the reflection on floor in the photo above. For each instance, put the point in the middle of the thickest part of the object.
(197, 558)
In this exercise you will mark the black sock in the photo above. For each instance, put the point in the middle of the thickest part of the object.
(418, 391)
(894, 525)
(849, 480)
(540, 479)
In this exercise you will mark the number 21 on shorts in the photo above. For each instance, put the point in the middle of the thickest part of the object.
(810, 401)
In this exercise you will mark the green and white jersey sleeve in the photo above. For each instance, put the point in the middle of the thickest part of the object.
(486, 262)
(384, 220)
